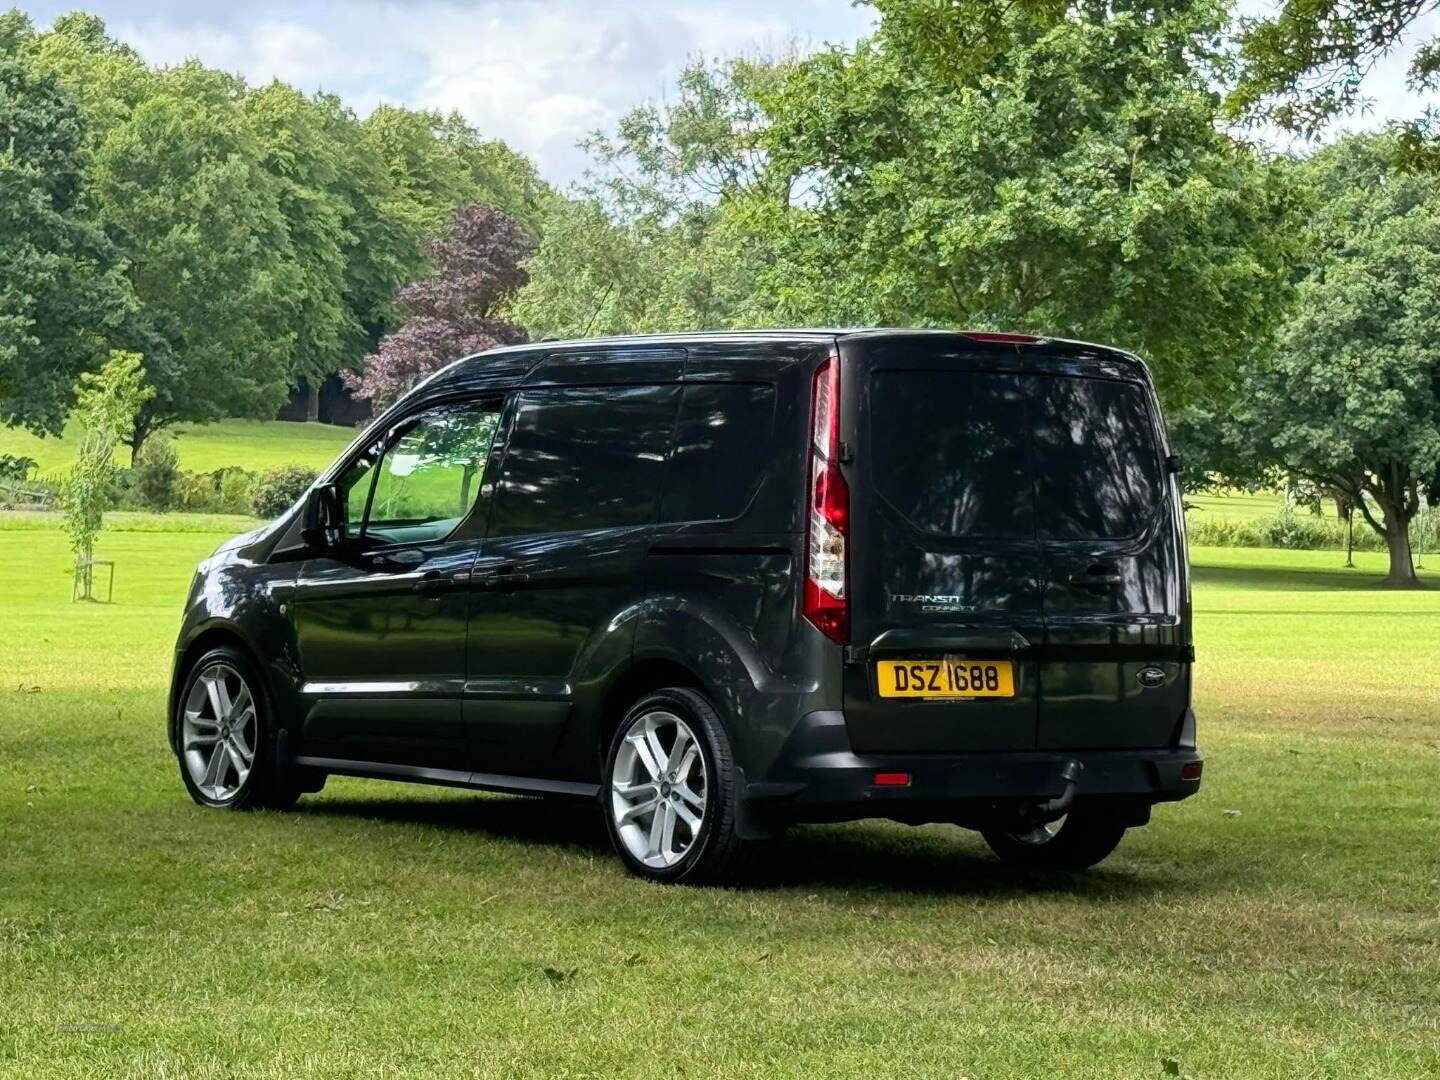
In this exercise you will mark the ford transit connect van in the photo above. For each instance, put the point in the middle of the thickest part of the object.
(722, 583)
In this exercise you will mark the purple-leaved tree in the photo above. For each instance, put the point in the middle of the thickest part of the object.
(452, 310)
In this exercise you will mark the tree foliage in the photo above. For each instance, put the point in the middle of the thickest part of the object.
(263, 232)
(456, 309)
(676, 221)
(1078, 184)
(62, 289)
(1350, 398)
(1306, 63)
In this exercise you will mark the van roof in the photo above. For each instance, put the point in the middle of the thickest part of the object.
(461, 368)
(788, 334)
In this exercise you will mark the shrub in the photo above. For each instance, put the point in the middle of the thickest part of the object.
(278, 488)
(15, 469)
(1285, 529)
(236, 487)
(157, 471)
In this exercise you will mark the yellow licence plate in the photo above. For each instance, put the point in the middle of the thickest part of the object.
(949, 678)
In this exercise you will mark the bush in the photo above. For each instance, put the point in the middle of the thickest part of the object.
(156, 471)
(15, 469)
(279, 488)
(1285, 529)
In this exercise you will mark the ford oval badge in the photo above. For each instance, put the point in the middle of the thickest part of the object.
(1151, 676)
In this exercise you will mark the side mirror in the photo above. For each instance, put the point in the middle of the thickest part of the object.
(324, 525)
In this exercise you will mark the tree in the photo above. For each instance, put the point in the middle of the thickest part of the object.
(1306, 63)
(1350, 399)
(677, 219)
(181, 186)
(62, 288)
(298, 149)
(454, 311)
(106, 404)
(1078, 185)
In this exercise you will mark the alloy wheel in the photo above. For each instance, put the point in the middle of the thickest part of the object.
(219, 732)
(658, 789)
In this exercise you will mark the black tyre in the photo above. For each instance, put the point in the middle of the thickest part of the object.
(669, 793)
(1076, 841)
(226, 737)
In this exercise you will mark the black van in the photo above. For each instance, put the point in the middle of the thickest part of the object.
(722, 583)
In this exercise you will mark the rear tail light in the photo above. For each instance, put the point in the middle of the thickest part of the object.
(826, 602)
(1191, 770)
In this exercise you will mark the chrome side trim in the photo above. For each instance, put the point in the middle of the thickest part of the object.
(534, 689)
(447, 687)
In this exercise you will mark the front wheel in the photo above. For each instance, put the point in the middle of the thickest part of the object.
(670, 795)
(1078, 840)
(226, 736)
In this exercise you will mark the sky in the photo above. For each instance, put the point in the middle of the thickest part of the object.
(540, 74)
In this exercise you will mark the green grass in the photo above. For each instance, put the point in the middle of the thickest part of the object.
(254, 444)
(1284, 923)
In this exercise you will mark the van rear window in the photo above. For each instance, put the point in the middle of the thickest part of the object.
(1014, 457)
(1097, 465)
(949, 452)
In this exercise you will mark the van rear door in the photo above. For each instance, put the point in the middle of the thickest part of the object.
(944, 566)
(1114, 669)
(1010, 506)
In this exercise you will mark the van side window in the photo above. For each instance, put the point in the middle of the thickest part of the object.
(722, 442)
(1097, 465)
(584, 459)
(427, 477)
(950, 452)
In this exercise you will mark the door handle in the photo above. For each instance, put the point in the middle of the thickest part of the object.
(434, 583)
(1094, 580)
(501, 577)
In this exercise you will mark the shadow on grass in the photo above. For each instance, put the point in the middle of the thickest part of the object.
(934, 861)
(1278, 580)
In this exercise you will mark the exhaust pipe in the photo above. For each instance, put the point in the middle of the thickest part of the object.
(1047, 810)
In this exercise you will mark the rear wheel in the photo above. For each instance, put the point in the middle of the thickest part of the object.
(1076, 841)
(226, 737)
(669, 795)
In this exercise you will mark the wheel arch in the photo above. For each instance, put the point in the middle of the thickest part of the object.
(644, 675)
(212, 635)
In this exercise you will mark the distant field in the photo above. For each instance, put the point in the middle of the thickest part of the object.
(1284, 923)
(1242, 505)
(254, 444)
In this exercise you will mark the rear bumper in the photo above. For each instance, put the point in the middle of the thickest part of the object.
(820, 778)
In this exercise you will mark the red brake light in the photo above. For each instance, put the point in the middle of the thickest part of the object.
(1002, 338)
(892, 779)
(825, 601)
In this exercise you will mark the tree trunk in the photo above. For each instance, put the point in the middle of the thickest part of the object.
(312, 402)
(138, 435)
(1350, 539)
(1397, 542)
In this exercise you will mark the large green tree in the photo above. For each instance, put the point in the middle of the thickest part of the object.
(62, 288)
(181, 186)
(1076, 184)
(1350, 398)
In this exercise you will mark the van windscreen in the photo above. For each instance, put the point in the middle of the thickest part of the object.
(1014, 457)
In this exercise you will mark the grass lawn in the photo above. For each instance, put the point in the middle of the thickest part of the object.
(1284, 923)
(255, 444)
